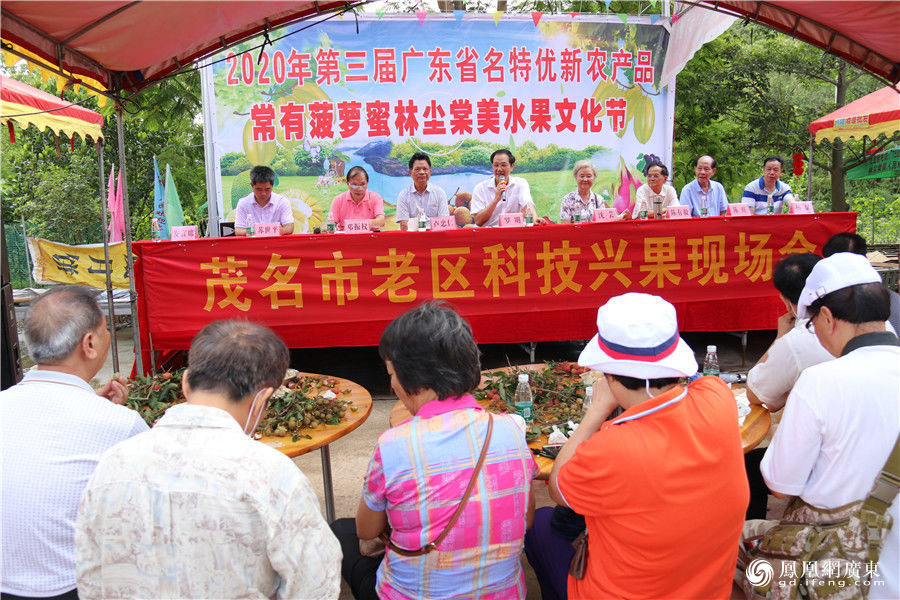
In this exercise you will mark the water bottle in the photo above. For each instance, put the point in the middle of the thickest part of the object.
(704, 206)
(155, 232)
(711, 362)
(330, 225)
(423, 221)
(523, 403)
(770, 205)
(588, 398)
(249, 225)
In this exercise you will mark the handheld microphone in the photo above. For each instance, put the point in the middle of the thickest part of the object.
(502, 179)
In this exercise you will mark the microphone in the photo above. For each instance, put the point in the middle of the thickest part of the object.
(502, 179)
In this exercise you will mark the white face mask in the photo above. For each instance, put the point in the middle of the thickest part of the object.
(251, 430)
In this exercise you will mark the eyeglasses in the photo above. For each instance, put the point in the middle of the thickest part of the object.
(810, 326)
(358, 186)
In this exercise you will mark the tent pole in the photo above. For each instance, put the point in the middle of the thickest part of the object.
(812, 145)
(109, 293)
(120, 127)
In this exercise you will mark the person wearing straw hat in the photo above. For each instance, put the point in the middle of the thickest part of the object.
(842, 417)
(662, 486)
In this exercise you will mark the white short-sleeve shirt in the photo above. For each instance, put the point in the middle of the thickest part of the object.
(518, 194)
(839, 425)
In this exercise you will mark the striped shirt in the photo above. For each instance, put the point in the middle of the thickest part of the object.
(418, 474)
(756, 196)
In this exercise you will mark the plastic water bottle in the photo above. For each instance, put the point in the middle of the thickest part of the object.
(588, 398)
(704, 206)
(249, 225)
(155, 232)
(523, 403)
(711, 362)
(770, 205)
(423, 221)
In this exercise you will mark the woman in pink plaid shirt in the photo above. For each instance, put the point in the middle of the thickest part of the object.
(421, 468)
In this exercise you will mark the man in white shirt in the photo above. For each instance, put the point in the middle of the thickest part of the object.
(843, 417)
(194, 508)
(502, 194)
(53, 429)
(654, 197)
(262, 206)
(795, 347)
(421, 196)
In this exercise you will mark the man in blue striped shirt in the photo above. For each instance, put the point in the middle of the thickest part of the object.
(767, 194)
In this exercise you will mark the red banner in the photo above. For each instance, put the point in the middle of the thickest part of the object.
(512, 284)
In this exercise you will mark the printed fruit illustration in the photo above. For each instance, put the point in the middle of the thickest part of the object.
(606, 90)
(307, 211)
(644, 118)
(308, 92)
(258, 153)
(240, 187)
(624, 188)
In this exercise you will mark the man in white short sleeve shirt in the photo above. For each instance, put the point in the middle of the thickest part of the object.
(263, 206)
(53, 429)
(421, 196)
(843, 417)
(501, 194)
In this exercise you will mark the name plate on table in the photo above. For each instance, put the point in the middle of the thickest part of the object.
(678, 212)
(512, 220)
(443, 223)
(184, 232)
(801, 208)
(356, 226)
(737, 209)
(267, 229)
(602, 215)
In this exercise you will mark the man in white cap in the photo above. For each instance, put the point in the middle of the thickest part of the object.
(662, 486)
(842, 417)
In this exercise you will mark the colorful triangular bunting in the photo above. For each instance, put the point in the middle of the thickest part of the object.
(497, 15)
(420, 14)
(536, 16)
(623, 17)
(459, 15)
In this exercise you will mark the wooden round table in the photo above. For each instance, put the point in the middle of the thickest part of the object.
(321, 436)
(754, 429)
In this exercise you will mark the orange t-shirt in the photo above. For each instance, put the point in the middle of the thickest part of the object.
(664, 491)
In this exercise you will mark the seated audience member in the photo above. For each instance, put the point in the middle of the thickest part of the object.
(53, 429)
(581, 201)
(501, 194)
(703, 191)
(769, 188)
(195, 508)
(262, 206)
(795, 347)
(842, 417)
(413, 495)
(855, 243)
(357, 203)
(654, 196)
(661, 486)
(421, 196)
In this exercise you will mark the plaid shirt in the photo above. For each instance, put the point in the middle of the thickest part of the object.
(418, 474)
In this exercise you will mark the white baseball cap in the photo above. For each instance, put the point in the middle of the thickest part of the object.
(637, 336)
(836, 272)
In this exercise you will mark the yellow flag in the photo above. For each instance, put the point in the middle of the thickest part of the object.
(80, 265)
(497, 15)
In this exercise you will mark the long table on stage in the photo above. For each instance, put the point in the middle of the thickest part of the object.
(524, 284)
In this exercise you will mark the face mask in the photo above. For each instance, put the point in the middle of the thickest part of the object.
(249, 431)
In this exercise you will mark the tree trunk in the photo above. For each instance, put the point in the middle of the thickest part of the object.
(838, 193)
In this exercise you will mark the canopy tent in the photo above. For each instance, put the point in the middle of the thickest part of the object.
(26, 106)
(116, 46)
(862, 33)
(870, 116)
(111, 47)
